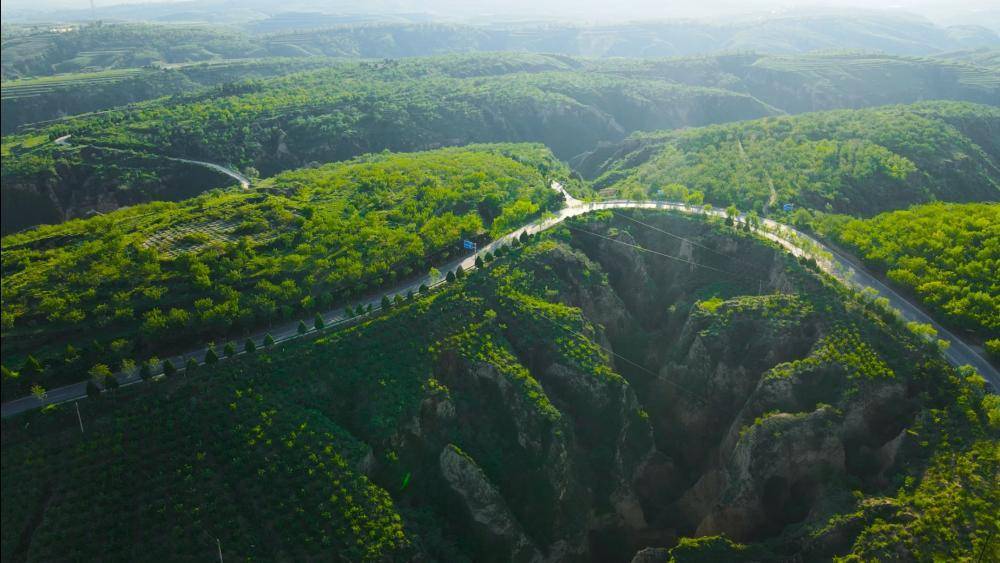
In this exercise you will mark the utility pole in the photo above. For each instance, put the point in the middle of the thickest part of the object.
(78, 417)
(219, 545)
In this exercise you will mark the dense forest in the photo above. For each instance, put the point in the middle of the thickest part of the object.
(856, 162)
(335, 113)
(339, 113)
(948, 255)
(153, 277)
(34, 100)
(790, 83)
(46, 49)
(347, 109)
(737, 423)
(275, 260)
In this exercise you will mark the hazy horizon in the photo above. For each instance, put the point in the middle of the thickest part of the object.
(938, 11)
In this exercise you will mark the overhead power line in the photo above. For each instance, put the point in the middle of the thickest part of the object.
(643, 368)
(662, 254)
(691, 242)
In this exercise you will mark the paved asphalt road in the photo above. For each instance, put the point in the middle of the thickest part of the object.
(836, 264)
(243, 180)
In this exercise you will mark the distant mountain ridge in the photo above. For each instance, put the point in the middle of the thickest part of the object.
(579, 108)
(38, 50)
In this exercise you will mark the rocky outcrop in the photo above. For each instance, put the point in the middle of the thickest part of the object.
(652, 555)
(490, 522)
(575, 473)
(713, 372)
(723, 428)
(774, 474)
(628, 271)
(538, 474)
(604, 414)
(99, 182)
(595, 297)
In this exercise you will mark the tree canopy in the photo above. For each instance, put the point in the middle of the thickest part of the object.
(231, 260)
(948, 255)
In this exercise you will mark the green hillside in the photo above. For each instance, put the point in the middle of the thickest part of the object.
(857, 162)
(389, 107)
(49, 49)
(34, 100)
(791, 83)
(335, 114)
(948, 255)
(231, 113)
(160, 276)
(825, 80)
(788, 418)
(45, 51)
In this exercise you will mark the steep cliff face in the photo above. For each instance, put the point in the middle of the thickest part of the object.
(550, 447)
(763, 407)
(98, 181)
(581, 398)
(490, 524)
(612, 399)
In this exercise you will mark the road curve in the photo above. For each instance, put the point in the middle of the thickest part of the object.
(959, 352)
(243, 180)
(794, 241)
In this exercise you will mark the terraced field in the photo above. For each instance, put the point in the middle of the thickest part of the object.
(27, 88)
(967, 74)
(197, 236)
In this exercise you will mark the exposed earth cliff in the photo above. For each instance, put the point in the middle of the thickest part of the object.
(579, 398)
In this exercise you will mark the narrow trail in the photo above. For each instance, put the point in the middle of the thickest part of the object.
(772, 199)
(795, 242)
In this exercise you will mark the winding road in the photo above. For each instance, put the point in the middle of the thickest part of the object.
(799, 244)
(243, 180)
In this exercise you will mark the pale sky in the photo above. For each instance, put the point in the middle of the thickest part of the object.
(593, 10)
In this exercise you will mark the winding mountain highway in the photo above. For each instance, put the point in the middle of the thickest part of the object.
(243, 180)
(799, 244)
